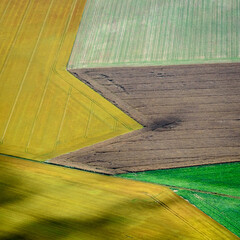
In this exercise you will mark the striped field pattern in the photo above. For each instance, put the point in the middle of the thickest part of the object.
(153, 32)
(214, 189)
(44, 110)
(44, 202)
(190, 112)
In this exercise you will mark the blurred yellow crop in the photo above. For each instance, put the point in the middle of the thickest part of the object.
(39, 201)
(44, 110)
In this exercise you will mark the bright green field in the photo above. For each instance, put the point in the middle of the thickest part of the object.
(212, 180)
(225, 210)
(157, 32)
(219, 178)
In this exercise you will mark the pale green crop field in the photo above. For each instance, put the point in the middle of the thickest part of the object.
(157, 32)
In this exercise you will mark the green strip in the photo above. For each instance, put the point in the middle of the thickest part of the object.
(217, 178)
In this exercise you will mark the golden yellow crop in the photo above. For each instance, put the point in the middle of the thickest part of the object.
(39, 201)
(44, 110)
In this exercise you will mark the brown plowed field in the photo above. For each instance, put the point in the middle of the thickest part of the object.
(191, 115)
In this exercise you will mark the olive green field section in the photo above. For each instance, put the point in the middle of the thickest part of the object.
(157, 32)
(214, 189)
(39, 201)
(44, 110)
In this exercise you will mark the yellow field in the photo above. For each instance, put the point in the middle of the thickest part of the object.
(44, 110)
(39, 201)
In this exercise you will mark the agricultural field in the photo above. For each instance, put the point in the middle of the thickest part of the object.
(45, 111)
(157, 32)
(190, 111)
(225, 210)
(190, 115)
(217, 178)
(214, 189)
(51, 202)
(119, 88)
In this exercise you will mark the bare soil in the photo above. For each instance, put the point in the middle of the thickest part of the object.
(191, 115)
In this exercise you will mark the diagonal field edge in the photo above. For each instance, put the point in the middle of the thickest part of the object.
(190, 113)
(77, 201)
(45, 111)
